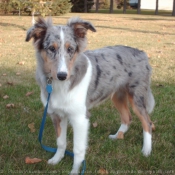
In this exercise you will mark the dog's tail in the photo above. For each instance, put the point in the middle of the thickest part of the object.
(150, 102)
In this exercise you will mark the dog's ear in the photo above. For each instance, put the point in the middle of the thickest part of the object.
(39, 29)
(80, 28)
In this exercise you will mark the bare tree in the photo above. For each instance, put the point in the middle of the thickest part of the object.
(111, 6)
(138, 8)
(85, 6)
(124, 6)
(157, 7)
(173, 13)
(97, 6)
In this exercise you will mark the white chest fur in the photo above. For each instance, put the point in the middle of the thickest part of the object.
(64, 102)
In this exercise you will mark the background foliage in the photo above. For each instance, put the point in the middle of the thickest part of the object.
(42, 7)
(120, 3)
(78, 5)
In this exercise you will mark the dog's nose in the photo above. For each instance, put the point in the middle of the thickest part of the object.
(62, 75)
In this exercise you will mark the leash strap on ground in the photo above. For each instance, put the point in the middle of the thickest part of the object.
(50, 149)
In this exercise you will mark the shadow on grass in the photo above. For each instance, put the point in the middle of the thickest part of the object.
(64, 17)
(12, 25)
(75, 15)
(134, 30)
(134, 12)
(152, 19)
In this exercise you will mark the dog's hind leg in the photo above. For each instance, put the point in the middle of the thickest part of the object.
(120, 100)
(150, 106)
(60, 125)
(138, 103)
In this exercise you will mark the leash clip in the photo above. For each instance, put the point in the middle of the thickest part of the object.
(49, 80)
(49, 85)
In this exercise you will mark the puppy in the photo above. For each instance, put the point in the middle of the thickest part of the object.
(82, 80)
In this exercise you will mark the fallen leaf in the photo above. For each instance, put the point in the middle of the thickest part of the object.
(32, 127)
(5, 97)
(21, 63)
(29, 93)
(95, 124)
(102, 171)
(10, 83)
(18, 73)
(159, 85)
(10, 105)
(154, 66)
(29, 160)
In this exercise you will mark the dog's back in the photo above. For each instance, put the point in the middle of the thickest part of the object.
(115, 68)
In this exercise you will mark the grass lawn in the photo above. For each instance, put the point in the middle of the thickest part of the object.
(153, 34)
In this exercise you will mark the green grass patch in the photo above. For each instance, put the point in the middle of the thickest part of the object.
(153, 34)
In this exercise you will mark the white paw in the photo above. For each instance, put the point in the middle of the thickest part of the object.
(146, 152)
(113, 137)
(55, 159)
(147, 144)
(120, 133)
(74, 172)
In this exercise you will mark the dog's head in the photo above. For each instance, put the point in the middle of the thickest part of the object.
(59, 45)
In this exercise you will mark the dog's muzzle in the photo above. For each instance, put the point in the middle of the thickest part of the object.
(62, 76)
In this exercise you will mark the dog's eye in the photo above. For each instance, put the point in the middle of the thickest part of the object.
(69, 50)
(52, 49)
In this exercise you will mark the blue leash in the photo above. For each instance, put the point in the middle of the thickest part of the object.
(50, 149)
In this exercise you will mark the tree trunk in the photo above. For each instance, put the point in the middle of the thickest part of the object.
(97, 5)
(138, 8)
(124, 6)
(157, 7)
(19, 11)
(173, 13)
(85, 6)
(111, 6)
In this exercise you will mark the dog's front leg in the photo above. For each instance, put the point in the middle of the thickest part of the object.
(80, 126)
(60, 125)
